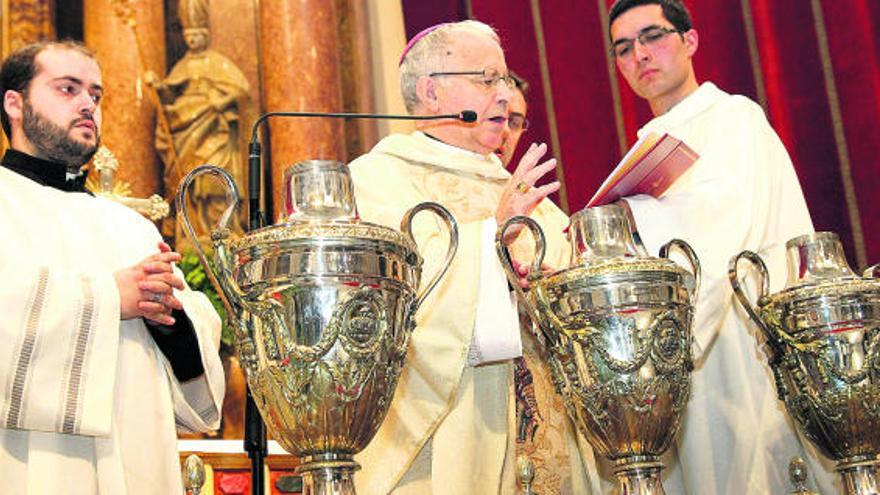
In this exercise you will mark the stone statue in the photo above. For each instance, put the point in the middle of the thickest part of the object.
(203, 100)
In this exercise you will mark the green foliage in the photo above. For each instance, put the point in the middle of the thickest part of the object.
(197, 279)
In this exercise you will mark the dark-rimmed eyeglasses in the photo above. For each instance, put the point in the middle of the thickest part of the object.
(488, 78)
(647, 37)
(517, 122)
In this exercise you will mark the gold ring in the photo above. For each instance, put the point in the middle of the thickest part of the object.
(523, 187)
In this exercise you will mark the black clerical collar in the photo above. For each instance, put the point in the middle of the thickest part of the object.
(44, 172)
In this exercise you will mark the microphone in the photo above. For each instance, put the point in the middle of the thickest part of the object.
(464, 116)
(257, 218)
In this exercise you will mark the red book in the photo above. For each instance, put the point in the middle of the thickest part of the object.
(652, 165)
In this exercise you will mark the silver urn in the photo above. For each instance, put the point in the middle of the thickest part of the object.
(322, 306)
(617, 327)
(822, 339)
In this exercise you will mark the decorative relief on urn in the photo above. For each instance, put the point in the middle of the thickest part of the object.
(322, 307)
(823, 346)
(617, 325)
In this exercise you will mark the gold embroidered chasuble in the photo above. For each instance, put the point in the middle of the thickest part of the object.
(89, 404)
(450, 427)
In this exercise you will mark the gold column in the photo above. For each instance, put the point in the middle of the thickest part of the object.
(23, 22)
(300, 69)
(387, 39)
(357, 91)
(129, 38)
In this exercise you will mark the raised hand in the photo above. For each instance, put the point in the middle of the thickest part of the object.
(520, 196)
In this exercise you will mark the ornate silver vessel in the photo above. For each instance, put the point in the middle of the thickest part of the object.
(822, 335)
(322, 306)
(617, 327)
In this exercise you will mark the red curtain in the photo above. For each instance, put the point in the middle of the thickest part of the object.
(812, 64)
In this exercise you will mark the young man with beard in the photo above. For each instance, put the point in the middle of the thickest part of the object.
(450, 428)
(742, 193)
(102, 346)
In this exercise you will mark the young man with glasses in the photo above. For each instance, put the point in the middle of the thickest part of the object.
(449, 428)
(742, 193)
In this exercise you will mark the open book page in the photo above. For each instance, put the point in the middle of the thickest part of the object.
(632, 156)
(652, 165)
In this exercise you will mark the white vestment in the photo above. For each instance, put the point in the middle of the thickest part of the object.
(449, 427)
(89, 403)
(742, 193)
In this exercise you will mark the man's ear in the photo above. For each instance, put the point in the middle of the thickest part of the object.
(426, 90)
(691, 41)
(13, 104)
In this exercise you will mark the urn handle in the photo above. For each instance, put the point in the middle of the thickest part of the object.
(733, 275)
(226, 287)
(692, 259)
(774, 344)
(451, 225)
(534, 270)
(872, 271)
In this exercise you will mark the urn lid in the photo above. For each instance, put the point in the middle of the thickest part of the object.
(605, 248)
(623, 270)
(817, 267)
(610, 269)
(858, 287)
(603, 233)
(617, 285)
(315, 233)
(318, 209)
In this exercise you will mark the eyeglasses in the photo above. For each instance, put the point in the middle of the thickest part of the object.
(649, 36)
(517, 122)
(489, 78)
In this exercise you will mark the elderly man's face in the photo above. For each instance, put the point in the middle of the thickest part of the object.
(473, 52)
(516, 114)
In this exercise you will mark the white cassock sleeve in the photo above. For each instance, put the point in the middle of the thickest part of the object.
(59, 331)
(496, 325)
(741, 194)
(198, 402)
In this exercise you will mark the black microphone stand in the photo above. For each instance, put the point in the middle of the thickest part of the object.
(254, 428)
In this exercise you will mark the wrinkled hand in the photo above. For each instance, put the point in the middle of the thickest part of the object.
(520, 196)
(522, 272)
(146, 289)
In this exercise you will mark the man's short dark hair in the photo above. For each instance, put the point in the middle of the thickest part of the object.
(673, 10)
(20, 67)
(521, 84)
